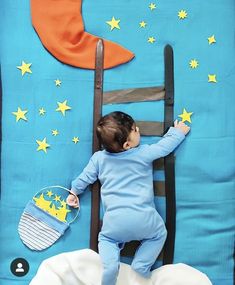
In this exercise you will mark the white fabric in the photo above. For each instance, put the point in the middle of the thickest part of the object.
(83, 267)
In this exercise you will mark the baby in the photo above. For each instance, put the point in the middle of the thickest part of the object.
(124, 169)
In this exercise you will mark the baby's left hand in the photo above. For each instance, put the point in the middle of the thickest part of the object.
(182, 126)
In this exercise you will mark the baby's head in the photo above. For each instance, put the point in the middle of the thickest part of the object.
(117, 132)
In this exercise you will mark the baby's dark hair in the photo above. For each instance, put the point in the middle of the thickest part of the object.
(113, 130)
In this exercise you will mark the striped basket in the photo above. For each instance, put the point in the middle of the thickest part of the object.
(38, 229)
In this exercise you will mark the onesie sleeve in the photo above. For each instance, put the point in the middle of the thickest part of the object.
(166, 145)
(88, 176)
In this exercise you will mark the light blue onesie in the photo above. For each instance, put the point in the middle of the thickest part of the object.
(128, 200)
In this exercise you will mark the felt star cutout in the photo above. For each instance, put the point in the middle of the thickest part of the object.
(57, 198)
(49, 193)
(151, 40)
(211, 40)
(25, 67)
(186, 116)
(212, 78)
(42, 111)
(75, 140)
(193, 63)
(20, 114)
(113, 24)
(182, 14)
(57, 82)
(63, 107)
(152, 6)
(142, 24)
(42, 145)
(55, 132)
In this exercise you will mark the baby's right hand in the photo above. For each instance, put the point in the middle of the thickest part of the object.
(182, 126)
(72, 200)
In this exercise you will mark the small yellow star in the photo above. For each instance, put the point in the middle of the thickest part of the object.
(57, 198)
(42, 145)
(185, 116)
(151, 40)
(182, 14)
(152, 6)
(212, 78)
(49, 193)
(63, 107)
(142, 24)
(20, 114)
(42, 111)
(55, 132)
(193, 63)
(211, 40)
(57, 82)
(75, 140)
(25, 67)
(113, 23)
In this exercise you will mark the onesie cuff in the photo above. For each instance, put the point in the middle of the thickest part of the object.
(177, 132)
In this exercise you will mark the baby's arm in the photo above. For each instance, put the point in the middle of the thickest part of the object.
(88, 176)
(169, 142)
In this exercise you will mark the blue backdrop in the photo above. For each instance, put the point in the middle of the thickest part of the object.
(205, 161)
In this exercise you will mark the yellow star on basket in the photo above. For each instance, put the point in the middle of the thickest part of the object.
(186, 116)
(25, 67)
(49, 193)
(193, 63)
(42, 145)
(63, 107)
(182, 14)
(211, 40)
(113, 24)
(151, 40)
(57, 82)
(152, 6)
(57, 198)
(55, 132)
(42, 111)
(142, 24)
(75, 140)
(212, 78)
(20, 114)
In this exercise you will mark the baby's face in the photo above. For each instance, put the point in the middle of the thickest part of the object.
(134, 137)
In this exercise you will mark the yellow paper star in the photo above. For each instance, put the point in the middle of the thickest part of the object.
(57, 82)
(211, 40)
(49, 193)
(182, 14)
(63, 107)
(212, 78)
(193, 63)
(114, 23)
(75, 140)
(142, 24)
(57, 198)
(42, 111)
(20, 114)
(42, 145)
(42, 203)
(152, 6)
(185, 116)
(25, 67)
(55, 132)
(151, 40)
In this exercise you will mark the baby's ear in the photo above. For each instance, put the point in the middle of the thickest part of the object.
(126, 145)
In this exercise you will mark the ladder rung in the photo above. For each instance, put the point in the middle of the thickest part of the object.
(134, 95)
(148, 128)
(159, 188)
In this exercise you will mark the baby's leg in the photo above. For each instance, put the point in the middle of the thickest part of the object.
(147, 253)
(110, 255)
